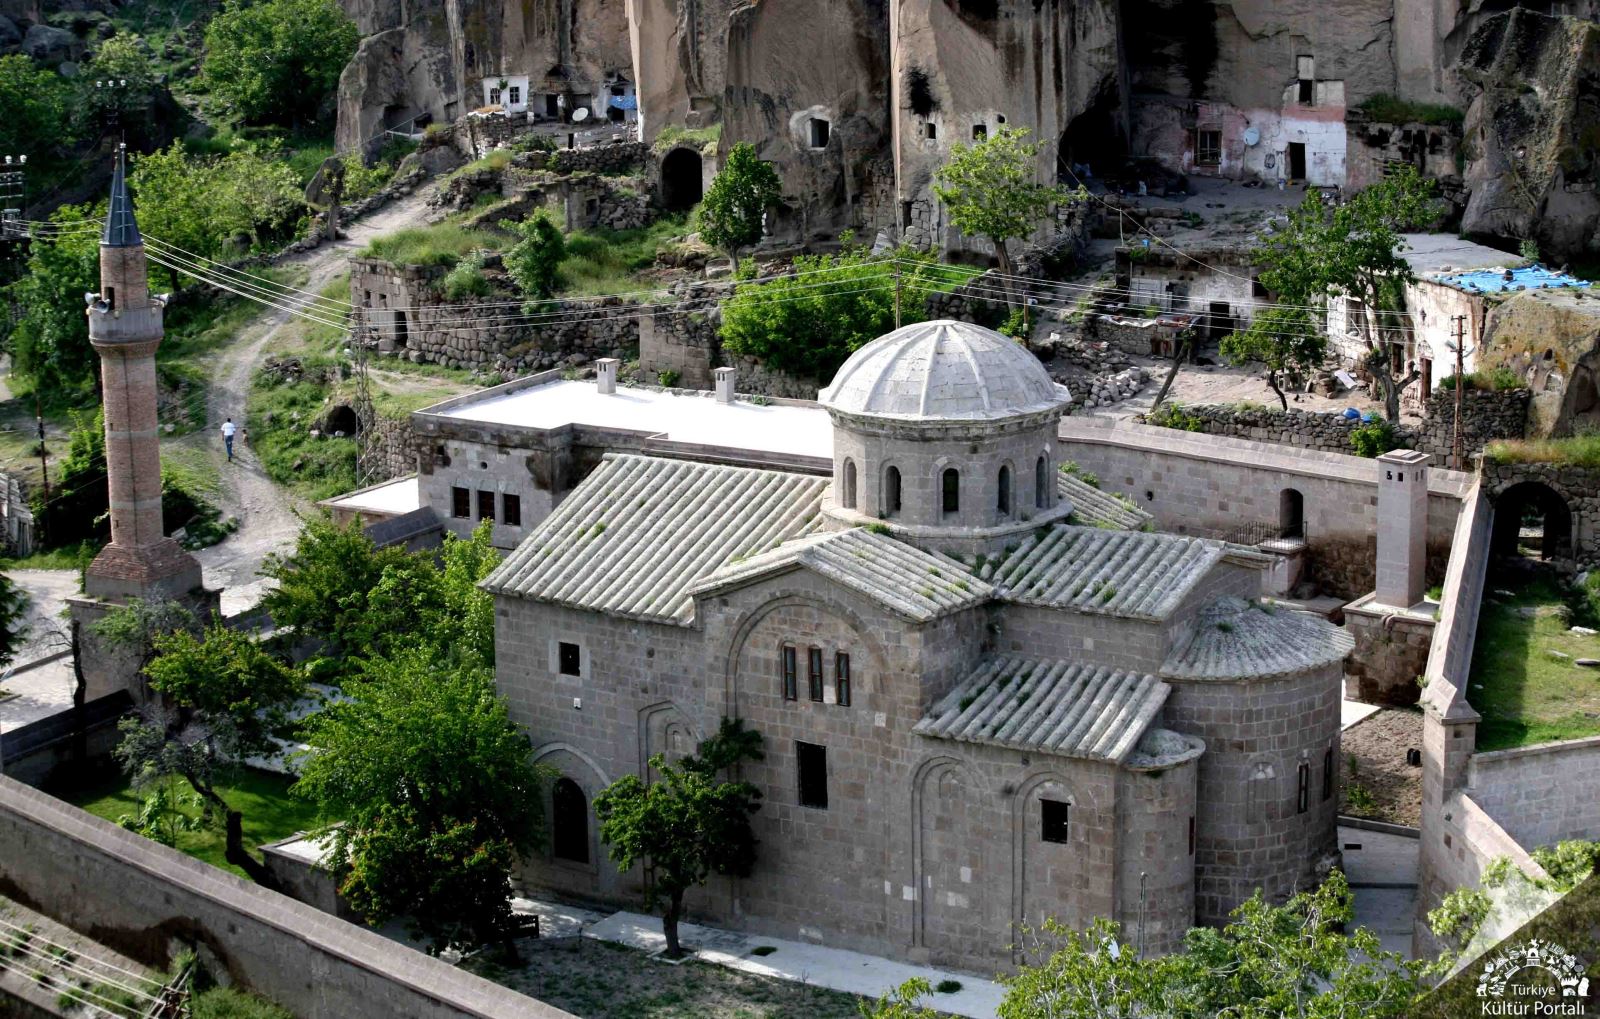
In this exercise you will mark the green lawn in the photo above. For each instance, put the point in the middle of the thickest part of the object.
(270, 813)
(1523, 693)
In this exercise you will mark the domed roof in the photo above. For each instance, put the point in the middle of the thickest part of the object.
(943, 370)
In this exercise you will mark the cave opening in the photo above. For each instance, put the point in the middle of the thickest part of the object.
(682, 180)
(1093, 139)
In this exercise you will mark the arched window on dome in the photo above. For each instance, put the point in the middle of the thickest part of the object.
(1003, 491)
(950, 491)
(847, 498)
(891, 491)
(1041, 483)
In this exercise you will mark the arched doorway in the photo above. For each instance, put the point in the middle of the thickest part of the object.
(1532, 521)
(682, 180)
(1291, 514)
(569, 822)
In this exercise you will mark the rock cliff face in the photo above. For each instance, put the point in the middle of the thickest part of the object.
(1533, 131)
(422, 58)
(680, 55)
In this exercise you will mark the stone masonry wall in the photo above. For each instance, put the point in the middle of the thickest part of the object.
(136, 897)
(401, 310)
(1578, 487)
(1391, 653)
(1541, 794)
(391, 449)
(1485, 416)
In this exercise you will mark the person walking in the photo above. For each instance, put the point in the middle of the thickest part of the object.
(228, 429)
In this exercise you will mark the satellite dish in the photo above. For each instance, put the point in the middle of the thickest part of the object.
(580, 114)
(1252, 135)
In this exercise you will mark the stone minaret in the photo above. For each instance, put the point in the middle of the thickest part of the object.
(125, 327)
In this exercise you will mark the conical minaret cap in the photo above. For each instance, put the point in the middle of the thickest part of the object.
(121, 229)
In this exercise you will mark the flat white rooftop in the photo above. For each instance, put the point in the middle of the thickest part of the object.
(1430, 253)
(392, 497)
(675, 416)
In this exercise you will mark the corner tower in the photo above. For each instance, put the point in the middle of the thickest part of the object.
(125, 328)
(945, 433)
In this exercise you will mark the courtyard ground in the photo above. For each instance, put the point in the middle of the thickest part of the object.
(1525, 680)
(1375, 782)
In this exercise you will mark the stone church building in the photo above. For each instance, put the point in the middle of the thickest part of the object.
(978, 710)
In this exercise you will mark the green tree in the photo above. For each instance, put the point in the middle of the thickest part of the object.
(80, 498)
(903, 1002)
(13, 629)
(688, 824)
(1461, 915)
(809, 323)
(278, 60)
(323, 585)
(438, 794)
(534, 261)
(1294, 961)
(736, 204)
(221, 695)
(991, 189)
(37, 104)
(1286, 341)
(125, 57)
(50, 342)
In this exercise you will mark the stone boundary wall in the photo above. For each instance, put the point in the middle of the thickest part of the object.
(1541, 794)
(1469, 840)
(391, 449)
(136, 896)
(615, 157)
(1486, 416)
(1578, 486)
(1208, 485)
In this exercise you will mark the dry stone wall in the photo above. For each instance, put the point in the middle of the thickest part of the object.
(390, 450)
(1485, 416)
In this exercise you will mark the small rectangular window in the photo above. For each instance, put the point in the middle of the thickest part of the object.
(980, 132)
(1303, 788)
(841, 678)
(485, 505)
(1308, 93)
(819, 133)
(511, 510)
(494, 97)
(812, 762)
(516, 95)
(569, 662)
(1208, 148)
(791, 681)
(461, 503)
(1055, 821)
(814, 672)
(933, 132)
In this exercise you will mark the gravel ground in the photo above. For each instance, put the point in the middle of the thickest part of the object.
(1377, 745)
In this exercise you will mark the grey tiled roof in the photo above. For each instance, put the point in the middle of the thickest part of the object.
(943, 370)
(1066, 708)
(1091, 569)
(1235, 638)
(1099, 509)
(914, 584)
(640, 531)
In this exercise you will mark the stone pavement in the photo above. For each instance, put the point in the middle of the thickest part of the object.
(833, 968)
(1382, 869)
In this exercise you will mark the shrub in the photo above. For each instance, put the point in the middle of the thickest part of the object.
(1015, 325)
(1172, 415)
(1374, 438)
(1577, 451)
(232, 1003)
(534, 262)
(668, 378)
(465, 280)
(1072, 468)
(1391, 109)
(1497, 379)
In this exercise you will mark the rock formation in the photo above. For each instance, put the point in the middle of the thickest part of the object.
(1533, 131)
(428, 60)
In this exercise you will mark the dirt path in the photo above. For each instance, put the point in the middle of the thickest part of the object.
(269, 517)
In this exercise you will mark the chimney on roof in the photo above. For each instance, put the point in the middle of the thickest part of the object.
(1402, 527)
(724, 383)
(605, 377)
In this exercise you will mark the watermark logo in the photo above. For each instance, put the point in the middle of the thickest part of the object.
(1562, 991)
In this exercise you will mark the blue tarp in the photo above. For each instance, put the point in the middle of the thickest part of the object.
(625, 102)
(1534, 277)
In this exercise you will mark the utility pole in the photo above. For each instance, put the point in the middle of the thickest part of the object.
(897, 295)
(1457, 444)
(44, 469)
(14, 198)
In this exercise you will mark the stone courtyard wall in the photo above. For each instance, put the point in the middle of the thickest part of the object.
(1209, 485)
(391, 449)
(1485, 416)
(1390, 655)
(136, 897)
(1541, 794)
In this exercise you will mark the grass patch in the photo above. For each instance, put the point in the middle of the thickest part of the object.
(232, 1003)
(1576, 450)
(603, 262)
(440, 245)
(75, 557)
(704, 139)
(1391, 109)
(270, 813)
(496, 160)
(279, 419)
(1493, 380)
(1524, 694)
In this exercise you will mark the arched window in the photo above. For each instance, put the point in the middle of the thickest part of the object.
(891, 491)
(848, 496)
(1291, 513)
(1041, 483)
(569, 822)
(950, 501)
(1003, 494)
